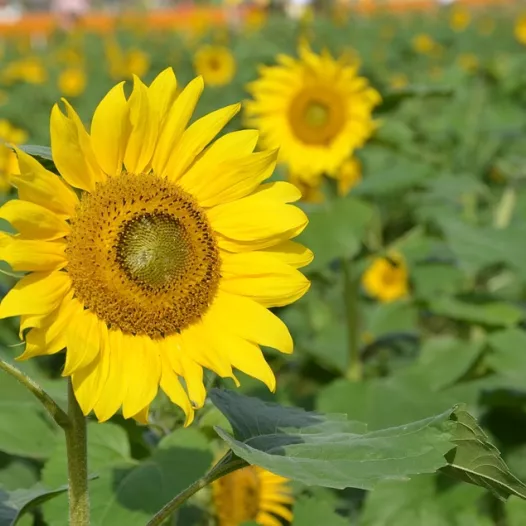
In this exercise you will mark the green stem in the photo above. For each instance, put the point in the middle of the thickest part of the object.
(225, 466)
(351, 289)
(58, 415)
(77, 452)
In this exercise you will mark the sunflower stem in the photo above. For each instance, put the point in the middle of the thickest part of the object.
(226, 465)
(77, 451)
(56, 413)
(351, 287)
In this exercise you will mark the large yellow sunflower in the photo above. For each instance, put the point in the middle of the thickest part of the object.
(252, 494)
(155, 253)
(215, 64)
(316, 109)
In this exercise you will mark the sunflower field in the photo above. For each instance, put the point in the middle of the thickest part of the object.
(308, 308)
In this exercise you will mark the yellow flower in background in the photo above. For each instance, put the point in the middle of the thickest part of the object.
(348, 176)
(469, 62)
(520, 29)
(317, 110)
(486, 26)
(215, 64)
(398, 81)
(252, 494)
(123, 64)
(8, 162)
(72, 82)
(311, 191)
(460, 18)
(155, 253)
(137, 62)
(255, 19)
(30, 70)
(424, 44)
(387, 278)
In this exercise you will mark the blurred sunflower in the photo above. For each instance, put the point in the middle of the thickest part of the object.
(8, 163)
(398, 81)
(255, 19)
(460, 18)
(424, 44)
(215, 64)
(469, 62)
(387, 278)
(520, 29)
(72, 81)
(252, 494)
(30, 70)
(136, 62)
(155, 253)
(317, 110)
(349, 174)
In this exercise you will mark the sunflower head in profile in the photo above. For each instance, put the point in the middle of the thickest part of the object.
(215, 64)
(155, 253)
(387, 278)
(317, 110)
(252, 494)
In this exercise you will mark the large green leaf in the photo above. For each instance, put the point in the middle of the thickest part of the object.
(313, 512)
(329, 450)
(477, 461)
(508, 357)
(126, 491)
(15, 503)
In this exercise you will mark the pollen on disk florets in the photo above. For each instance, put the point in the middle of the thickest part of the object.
(142, 255)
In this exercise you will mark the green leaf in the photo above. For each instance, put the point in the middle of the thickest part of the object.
(508, 357)
(515, 512)
(18, 474)
(313, 512)
(15, 503)
(336, 230)
(432, 279)
(477, 461)
(44, 152)
(126, 491)
(493, 313)
(329, 450)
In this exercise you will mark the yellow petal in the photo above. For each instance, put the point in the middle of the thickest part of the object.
(50, 336)
(37, 293)
(263, 278)
(279, 510)
(249, 320)
(142, 416)
(162, 92)
(266, 519)
(257, 221)
(213, 180)
(44, 188)
(142, 370)
(196, 138)
(292, 253)
(175, 124)
(27, 255)
(89, 382)
(83, 336)
(34, 221)
(171, 385)
(112, 395)
(110, 129)
(144, 129)
(72, 156)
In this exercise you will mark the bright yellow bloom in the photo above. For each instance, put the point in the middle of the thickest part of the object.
(8, 162)
(387, 278)
(156, 253)
(520, 29)
(317, 110)
(215, 64)
(348, 176)
(256, 18)
(30, 70)
(459, 19)
(72, 82)
(252, 494)
(424, 44)
(469, 62)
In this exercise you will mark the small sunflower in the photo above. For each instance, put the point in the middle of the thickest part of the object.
(468, 62)
(72, 81)
(155, 253)
(460, 18)
(424, 44)
(387, 278)
(8, 163)
(215, 64)
(520, 29)
(317, 110)
(252, 494)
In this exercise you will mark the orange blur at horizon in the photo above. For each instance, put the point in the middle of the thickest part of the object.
(46, 23)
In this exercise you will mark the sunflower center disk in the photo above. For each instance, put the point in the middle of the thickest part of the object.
(317, 116)
(142, 256)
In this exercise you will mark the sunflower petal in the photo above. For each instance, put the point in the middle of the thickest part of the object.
(44, 188)
(162, 92)
(263, 278)
(291, 253)
(27, 255)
